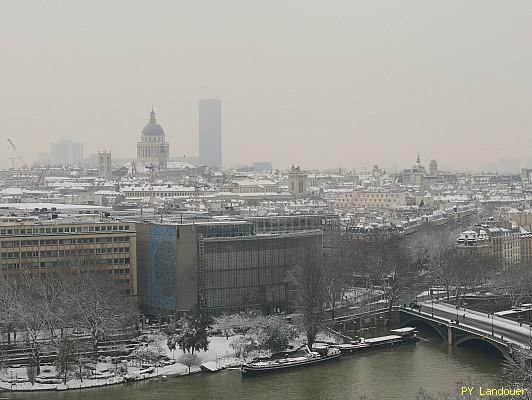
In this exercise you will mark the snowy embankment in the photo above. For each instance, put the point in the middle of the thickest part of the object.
(16, 379)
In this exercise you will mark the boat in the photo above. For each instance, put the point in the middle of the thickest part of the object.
(399, 336)
(320, 355)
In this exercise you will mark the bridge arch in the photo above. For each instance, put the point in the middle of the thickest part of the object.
(470, 339)
(441, 330)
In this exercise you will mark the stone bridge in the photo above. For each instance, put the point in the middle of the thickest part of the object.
(460, 325)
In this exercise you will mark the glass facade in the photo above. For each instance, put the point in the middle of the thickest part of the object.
(225, 229)
(290, 223)
(220, 266)
(253, 272)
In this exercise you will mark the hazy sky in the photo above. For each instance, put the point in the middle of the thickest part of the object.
(317, 83)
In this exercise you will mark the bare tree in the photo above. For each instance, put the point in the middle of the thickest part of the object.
(25, 300)
(37, 304)
(336, 274)
(151, 352)
(515, 283)
(189, 360)
(517, 369)
(65, 357)
(445, 270)
(97, 305)
(390, 266)
(311, 295)
(427, 246)
(243, 322)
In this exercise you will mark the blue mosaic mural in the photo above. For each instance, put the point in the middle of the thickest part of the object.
(162, 266)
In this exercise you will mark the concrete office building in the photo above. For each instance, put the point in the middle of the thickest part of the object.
(105, 167)
(47, 245)
(210, 132)
(218, 266)
(66, 152)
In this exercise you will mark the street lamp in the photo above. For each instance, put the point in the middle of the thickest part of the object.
(432, 301)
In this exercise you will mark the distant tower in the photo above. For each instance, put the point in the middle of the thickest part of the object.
(298, 181)
(210, 132)
(66, 152)
(105, 169)
(433, 167)
(152, 148)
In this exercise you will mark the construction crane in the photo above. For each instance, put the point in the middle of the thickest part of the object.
(40, 179)
(17, 153)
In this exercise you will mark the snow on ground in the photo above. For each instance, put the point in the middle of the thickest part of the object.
(16, 379)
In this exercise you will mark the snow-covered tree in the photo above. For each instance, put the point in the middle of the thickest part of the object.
(189, 360)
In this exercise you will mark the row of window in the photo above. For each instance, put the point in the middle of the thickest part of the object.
(246, 277)
(159, 194)
(377, 195)
(125, 260)
(63, 229)
(43, 265)
(61, 253)
(53, 242)
(368, 201)
(251, 296)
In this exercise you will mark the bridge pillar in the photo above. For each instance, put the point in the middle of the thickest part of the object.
(449, 334)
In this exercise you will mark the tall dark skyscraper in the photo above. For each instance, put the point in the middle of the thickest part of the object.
(210, 132)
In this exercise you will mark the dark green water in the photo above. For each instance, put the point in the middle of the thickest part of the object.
(384, 375)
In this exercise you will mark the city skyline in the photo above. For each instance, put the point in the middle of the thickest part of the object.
(369, 186)
(378, 82)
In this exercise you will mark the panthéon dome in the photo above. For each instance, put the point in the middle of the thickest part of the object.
(152, 128)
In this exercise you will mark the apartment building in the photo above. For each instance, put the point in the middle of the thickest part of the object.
(372, 199)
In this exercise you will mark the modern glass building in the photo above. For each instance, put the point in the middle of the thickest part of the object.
(253, 271)
(218, 266)
(290, 223)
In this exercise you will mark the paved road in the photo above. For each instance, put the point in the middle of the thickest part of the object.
(510, 330)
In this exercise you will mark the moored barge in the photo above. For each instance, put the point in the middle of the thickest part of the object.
(399, 337)
(319, 356)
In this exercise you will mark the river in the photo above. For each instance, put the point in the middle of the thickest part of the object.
(388, 374)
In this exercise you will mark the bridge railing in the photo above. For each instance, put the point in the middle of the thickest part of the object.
(466, 328)
(482, 314)
(364, 314)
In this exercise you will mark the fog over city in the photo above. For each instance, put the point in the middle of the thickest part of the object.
(242, 199)
(323, 84)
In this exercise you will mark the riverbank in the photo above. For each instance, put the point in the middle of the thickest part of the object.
(389, 374)
(16, 379)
